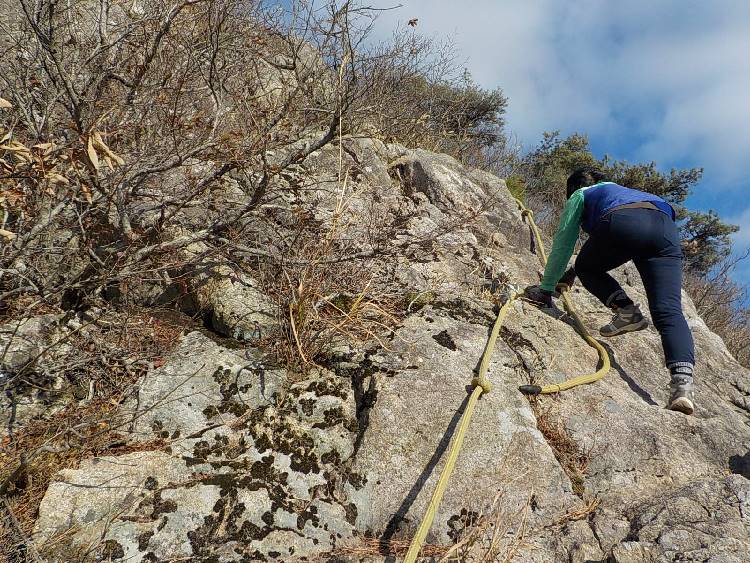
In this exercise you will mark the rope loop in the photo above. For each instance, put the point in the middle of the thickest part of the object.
(482, 382)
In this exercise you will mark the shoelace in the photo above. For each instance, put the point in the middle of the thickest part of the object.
(624, 317)
(618, 317)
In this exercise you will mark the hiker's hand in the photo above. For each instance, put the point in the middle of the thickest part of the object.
(538, 295)
(566, 281)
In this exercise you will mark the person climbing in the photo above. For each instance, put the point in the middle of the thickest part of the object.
(624, 224)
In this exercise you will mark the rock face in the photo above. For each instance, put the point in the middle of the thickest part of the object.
(235, 305)
(245, 474)
(421, 386)
(254, 466)
(28, 388)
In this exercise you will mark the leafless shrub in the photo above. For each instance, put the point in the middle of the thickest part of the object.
(122, 120)
(112, 107)
(722, 304)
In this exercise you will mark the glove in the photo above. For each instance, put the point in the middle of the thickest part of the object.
(566, 281)
(538, 295)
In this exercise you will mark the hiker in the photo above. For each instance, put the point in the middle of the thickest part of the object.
(625, 224)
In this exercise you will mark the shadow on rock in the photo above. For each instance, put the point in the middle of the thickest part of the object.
(740, 465)
(399, 517)
(634, 387)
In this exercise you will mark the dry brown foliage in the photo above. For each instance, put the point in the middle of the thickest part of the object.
(104, 364)
(722, 304)
(572, 458)
(588, 507)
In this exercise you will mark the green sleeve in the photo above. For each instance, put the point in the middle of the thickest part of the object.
(565, 241)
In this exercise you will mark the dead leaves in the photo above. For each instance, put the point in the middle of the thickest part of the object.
(94, 146)
(5, 104)
(56, 178)
(19, 150)
(45, 148)
(46, 168)
(41, 163)
(91, 153)
(99, 144)
(87, 193)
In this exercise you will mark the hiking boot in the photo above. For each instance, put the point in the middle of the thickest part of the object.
(682, 398)
(626, 319)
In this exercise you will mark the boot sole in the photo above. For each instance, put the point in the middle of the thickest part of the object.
(627, 328)
(683, 405)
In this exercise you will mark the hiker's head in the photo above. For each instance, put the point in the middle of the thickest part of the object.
(584, 176)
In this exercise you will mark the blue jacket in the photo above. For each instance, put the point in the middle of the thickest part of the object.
(601, 197)
(583, 211)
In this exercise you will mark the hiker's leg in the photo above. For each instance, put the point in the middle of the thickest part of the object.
(655, 243)
(597, 257)
(662, 277)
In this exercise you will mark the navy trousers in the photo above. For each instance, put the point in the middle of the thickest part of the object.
(650, 239)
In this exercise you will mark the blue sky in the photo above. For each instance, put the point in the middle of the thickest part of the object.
(667, 81)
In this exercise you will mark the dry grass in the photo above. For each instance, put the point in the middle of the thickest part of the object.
(327, 306)
(573, 459)
(493, 535)
(33, 455)
(373, 547)
(569, 454)
(582, 512)
(329, 290)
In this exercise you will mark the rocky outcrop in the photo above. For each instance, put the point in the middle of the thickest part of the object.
(254, 464)
(235, 305)
(248, 472)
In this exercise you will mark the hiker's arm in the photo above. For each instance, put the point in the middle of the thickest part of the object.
(565, 241)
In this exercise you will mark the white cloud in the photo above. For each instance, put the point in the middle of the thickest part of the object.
(670, 77)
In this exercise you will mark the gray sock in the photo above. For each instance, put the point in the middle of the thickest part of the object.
(682, 372)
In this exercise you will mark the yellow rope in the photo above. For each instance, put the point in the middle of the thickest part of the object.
(482, 385)
(603, 356)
